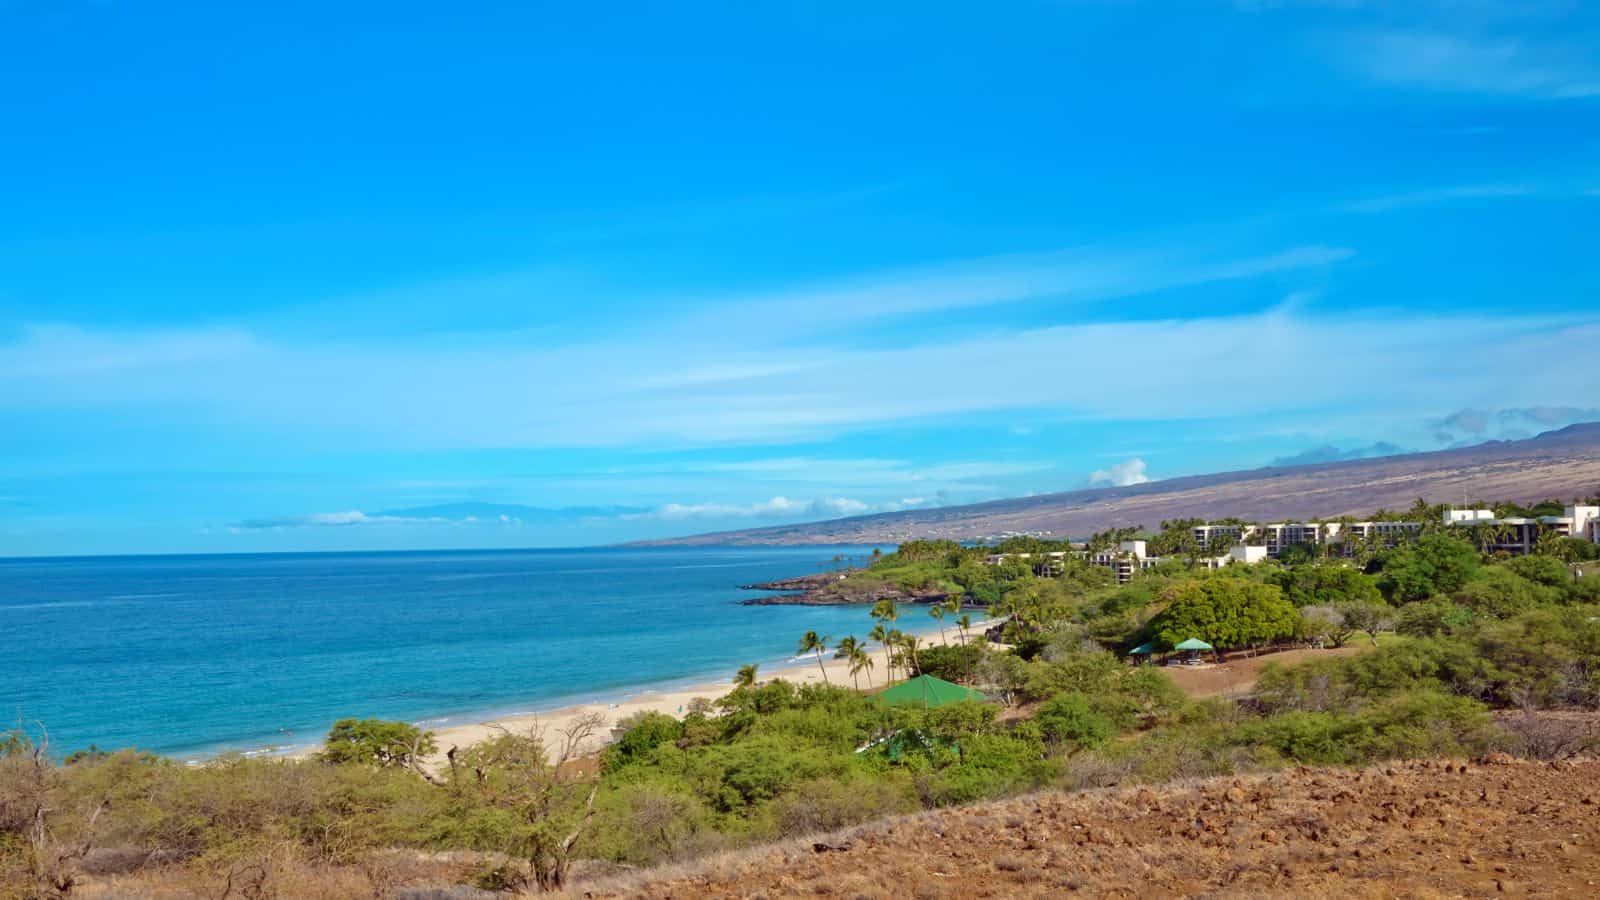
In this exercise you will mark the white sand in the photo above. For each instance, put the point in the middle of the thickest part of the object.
(672, 703)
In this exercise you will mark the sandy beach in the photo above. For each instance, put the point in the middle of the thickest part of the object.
(674, 702)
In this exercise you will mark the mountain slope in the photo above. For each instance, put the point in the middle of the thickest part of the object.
(1556, 464)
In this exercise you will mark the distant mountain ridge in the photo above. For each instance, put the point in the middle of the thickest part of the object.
(1556, 464)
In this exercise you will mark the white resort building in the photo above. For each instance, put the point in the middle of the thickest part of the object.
(1520, 534)
(1250, 544)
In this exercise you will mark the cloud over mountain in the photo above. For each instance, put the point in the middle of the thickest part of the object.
(1121, 474)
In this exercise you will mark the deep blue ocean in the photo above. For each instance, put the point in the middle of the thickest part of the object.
(197, 654)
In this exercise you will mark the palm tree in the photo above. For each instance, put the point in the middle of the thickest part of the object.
(881, 635)
(860, 660)
(964, 623)
(937, 611)
(811, 642)
(886, 611)
(746, 676)
(846, 649)
(909, 642)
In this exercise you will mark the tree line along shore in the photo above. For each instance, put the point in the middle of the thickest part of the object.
(1467, 650)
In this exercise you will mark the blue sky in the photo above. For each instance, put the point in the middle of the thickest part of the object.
(533, 274)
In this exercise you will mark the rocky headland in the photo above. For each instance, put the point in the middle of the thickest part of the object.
(838, 588)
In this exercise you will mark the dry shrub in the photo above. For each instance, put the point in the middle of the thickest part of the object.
(825, 805)
(1551, 735)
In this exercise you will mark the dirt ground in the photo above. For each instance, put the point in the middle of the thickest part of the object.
(1497, 827)
(1238, 673)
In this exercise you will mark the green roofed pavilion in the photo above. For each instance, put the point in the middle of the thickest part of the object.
(929, 692)
(1142, 650)
(1194, 644)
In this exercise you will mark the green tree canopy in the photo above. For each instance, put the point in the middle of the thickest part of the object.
(1499, 592)
(1435, 564)
(1326, 585)
(376, 742)
(1226, 612)
(1546, 570)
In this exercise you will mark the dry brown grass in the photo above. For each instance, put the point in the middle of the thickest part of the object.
(1429, 829)
(1426, 829)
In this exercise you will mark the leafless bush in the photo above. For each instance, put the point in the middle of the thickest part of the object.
(1550, 736)
(42, 839)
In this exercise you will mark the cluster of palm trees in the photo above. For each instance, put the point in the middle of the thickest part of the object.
(899, 648)
(856, 652)
(951, 605)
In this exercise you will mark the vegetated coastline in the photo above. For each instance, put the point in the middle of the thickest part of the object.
(838, 588)
(625, 704)
(1465, 652)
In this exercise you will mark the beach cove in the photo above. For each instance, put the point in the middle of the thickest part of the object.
(675, 701)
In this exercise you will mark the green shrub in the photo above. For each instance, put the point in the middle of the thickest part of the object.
(1585, 590)
(1089, 672)
(952, 662)
(992, 765)
(952, 722)
(1431, 618)
(1068, 720)
(1498, 592)
(649, 821)
(825, 804)
(376, 742)
(644, 733)
(1540, 569)
(1413, 724)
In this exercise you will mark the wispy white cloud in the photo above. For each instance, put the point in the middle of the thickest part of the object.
(453, 514)
(1122, 474)
(66, 351)
(342, 519)
(501, 395)
(1442, 61)
(1442, 195)
(775, 508)
(874, 471)
(1079, 275)
(685, 380)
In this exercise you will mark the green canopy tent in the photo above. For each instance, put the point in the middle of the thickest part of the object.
(1193, 646)
(1146, 650)
(928, 692)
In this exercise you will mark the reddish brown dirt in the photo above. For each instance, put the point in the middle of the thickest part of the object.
(1238, 673)
(1428, 829)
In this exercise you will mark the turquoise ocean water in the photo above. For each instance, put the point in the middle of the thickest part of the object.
(197, 654)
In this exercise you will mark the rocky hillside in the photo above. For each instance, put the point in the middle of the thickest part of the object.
(1429, 829)
(1559, 464)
